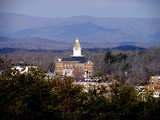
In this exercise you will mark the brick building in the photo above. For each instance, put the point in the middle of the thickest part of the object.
(76, 65)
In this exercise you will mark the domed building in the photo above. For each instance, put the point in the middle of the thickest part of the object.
(76, 65)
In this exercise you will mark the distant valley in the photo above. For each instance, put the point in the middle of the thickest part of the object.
(27, 32)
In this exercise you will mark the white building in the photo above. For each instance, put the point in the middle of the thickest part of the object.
(22, 68)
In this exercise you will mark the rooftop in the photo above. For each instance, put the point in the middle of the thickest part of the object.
(80, 59)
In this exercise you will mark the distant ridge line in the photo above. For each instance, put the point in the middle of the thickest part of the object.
(120, 48)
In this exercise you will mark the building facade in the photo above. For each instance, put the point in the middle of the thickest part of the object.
(22, 68)
(74, 66)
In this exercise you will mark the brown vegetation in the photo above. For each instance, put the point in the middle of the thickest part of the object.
(136, 66)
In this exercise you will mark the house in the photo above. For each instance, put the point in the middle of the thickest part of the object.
(97, 84)
(154, 83)
(22, 68)
(154, 86)
(74, 66)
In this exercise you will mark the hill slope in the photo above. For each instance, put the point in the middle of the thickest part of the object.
(102, 32)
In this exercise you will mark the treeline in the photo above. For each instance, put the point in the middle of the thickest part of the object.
(31, 96)
(135, 67)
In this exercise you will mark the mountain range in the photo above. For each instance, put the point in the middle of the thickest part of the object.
(28, 32)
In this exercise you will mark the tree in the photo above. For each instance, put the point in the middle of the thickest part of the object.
(32, 96)
(109, 59)
(25, 97)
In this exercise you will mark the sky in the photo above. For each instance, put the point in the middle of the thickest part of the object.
(97, 8)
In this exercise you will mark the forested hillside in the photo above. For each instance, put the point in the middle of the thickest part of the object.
(139, 65)
(51, 33)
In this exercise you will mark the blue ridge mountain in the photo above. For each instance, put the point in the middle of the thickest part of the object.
(97, 31)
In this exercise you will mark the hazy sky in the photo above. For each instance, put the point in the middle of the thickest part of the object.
(67, 8)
